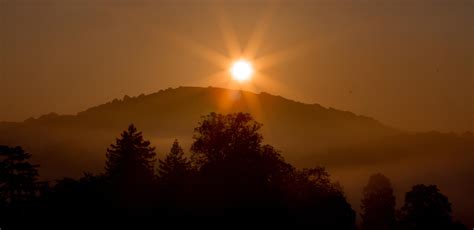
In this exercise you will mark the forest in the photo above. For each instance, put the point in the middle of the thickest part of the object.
(229, 177)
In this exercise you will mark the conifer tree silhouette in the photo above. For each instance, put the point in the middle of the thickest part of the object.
(175, 166)
(131, 158)
(18, 177)
(130, 171)
(20, 191)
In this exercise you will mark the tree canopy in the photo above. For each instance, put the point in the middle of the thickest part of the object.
(378, 204)
(231, 177)
(426, 208)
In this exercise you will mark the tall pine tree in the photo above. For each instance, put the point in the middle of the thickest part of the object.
(18, 177)
(131, 159)
(175, 166)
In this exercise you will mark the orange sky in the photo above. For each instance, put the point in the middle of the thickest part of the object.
(406, 63)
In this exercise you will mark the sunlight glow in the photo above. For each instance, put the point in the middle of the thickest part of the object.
(242, 66)
(241, 70)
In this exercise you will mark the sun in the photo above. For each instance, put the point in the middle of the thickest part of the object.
(241, 70)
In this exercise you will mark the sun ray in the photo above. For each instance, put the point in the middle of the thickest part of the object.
(226, 78)
(200, 50)
(256, 39)
(229, 35)
(280, 56)
(219, 78)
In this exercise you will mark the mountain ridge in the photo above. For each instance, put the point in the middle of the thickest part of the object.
(173, 113)
(127, 98)
(351, 146)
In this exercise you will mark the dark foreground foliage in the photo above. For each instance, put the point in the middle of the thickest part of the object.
(231, 178)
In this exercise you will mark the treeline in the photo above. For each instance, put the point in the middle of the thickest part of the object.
(230, 178)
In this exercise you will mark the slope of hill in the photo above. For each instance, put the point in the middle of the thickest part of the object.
(295, 128)
(351, 146)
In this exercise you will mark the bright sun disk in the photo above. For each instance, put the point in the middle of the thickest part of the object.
(241, 70)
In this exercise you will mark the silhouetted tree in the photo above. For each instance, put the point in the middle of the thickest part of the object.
(176, 175)
(220, 137)
(20, 191)
(316, 201)
(236, 170)
(239, 172)
(175, 166)
(130, 171)
(426, 208)
(131, 159)
(378, 204)
(231, 143)
(18, 177)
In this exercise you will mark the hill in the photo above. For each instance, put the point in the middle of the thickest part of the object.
(350, 146)
(297, 129)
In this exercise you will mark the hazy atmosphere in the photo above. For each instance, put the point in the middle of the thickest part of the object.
(322, 114)
(408, 64)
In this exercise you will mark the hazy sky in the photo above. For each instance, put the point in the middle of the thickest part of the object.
(407, 63)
